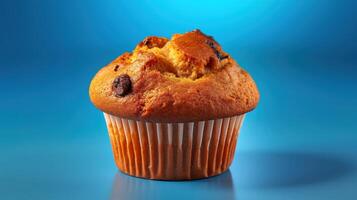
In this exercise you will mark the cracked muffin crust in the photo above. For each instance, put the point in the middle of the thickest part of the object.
(187, 78)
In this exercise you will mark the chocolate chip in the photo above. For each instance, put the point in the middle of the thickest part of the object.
(223, 57)
(149, 42)
(116, 68)
(122, 85)
(218, 54)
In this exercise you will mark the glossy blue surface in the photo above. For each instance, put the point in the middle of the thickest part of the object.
(300, 143)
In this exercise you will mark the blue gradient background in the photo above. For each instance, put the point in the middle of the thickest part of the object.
(300, 143)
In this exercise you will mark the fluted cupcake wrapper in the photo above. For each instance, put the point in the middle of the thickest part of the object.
(173, 151)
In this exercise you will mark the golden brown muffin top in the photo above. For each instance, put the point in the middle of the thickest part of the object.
(187, 78)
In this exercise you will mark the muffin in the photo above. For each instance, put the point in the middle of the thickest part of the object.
(174, 107)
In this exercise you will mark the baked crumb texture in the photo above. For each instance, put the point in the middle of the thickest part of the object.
(187, 78)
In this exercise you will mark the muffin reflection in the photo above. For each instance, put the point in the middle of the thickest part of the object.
(127, 187)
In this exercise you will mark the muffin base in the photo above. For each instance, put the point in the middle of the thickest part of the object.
(173, 151)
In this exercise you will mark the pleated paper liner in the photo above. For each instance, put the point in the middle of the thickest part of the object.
(173, 151)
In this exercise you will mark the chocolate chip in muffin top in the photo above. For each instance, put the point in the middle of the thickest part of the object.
(116, 67)
(122, 85)
(218, 54)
